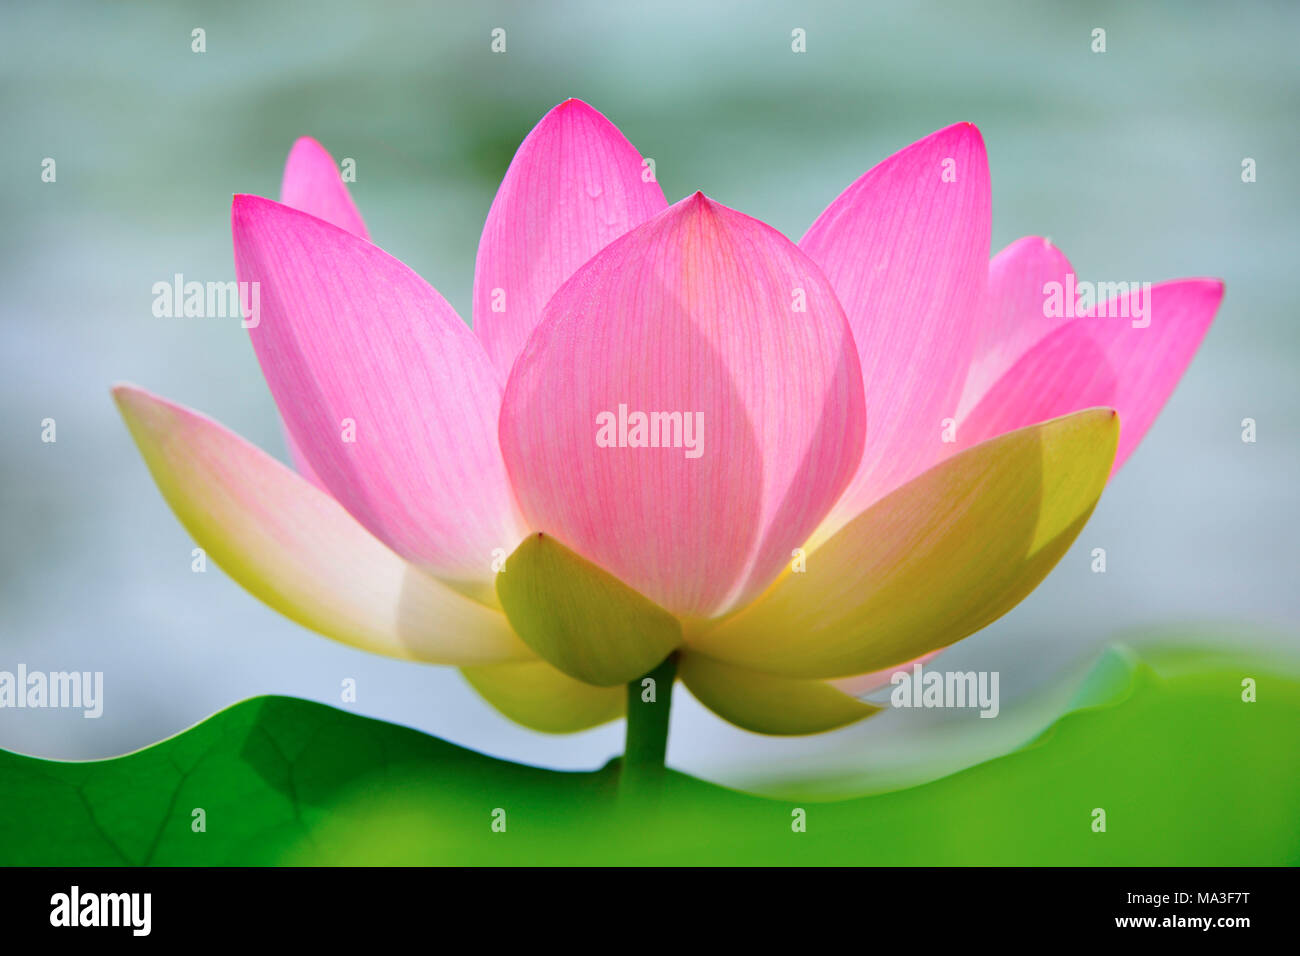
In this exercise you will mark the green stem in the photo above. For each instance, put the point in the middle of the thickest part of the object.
(642, 773)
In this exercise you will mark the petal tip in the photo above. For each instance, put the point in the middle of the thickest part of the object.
(248, 209)
(699, 203)
(307, 149)
(243, 205)
(698, 207)
(964, 130)
(139, 408)
(306, 142)
(1211, 286)
(127, 395)
(572, 107)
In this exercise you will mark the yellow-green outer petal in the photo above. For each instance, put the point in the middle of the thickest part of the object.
(766, 704)
(537, 695)
(294, 547)
(581, 618)
(941, 557)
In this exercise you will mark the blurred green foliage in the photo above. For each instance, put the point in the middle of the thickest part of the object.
(1186, 770)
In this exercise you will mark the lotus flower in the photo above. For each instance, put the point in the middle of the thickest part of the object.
(892, 444)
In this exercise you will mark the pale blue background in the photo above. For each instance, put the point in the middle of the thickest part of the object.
(1130, 161)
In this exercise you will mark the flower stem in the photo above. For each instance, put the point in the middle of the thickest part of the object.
(642, 772)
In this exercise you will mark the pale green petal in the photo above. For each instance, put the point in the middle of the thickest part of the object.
(938, 559)
(581, 618)
(766, 704)
(537, 695)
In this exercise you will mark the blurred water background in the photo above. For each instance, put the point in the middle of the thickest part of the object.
(1129, 160)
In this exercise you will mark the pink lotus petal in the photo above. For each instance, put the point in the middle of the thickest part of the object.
(300, 462)
(907, 254)
(575, 185)
(387, 392)
(1014, 319)
(1097, 360)
(692, 312)
(312, 183)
